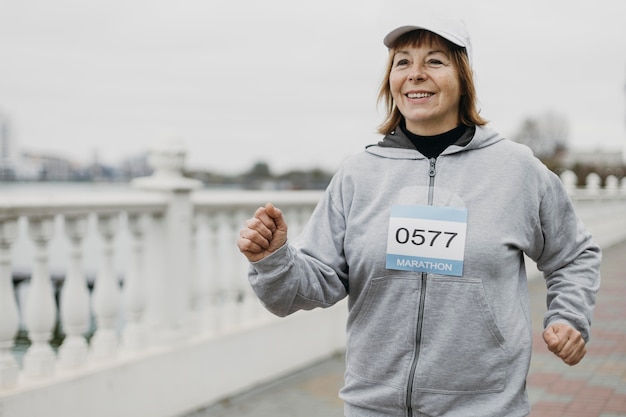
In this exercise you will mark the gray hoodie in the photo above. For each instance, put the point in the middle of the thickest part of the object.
(429, 343)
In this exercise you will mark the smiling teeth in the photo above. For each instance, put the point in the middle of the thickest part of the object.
(419, 95)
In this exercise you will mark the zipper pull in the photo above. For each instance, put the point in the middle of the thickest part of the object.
(432, 171)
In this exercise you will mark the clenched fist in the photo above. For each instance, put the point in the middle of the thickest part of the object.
(263, 234)
(565, 342)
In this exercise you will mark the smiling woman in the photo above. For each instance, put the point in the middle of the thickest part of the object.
(425, 87)
(424, 236)
(420, 59)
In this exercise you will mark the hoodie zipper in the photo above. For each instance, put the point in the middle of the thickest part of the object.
(431, 184)
(420, 317)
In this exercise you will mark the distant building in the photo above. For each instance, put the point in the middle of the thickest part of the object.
(39, 167)
(7, 150)
(135, 166)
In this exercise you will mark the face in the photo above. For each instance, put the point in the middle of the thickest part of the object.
(425, 87)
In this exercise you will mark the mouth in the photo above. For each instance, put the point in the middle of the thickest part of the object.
(419, 95)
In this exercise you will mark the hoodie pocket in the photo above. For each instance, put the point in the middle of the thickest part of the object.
(382, 336)
(462, 350)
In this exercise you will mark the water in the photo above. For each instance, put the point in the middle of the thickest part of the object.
(55, 188)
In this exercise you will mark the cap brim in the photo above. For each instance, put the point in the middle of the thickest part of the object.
(454, 31)
(393, 36)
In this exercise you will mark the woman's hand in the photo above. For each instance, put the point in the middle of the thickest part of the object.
(565, 342)
(263, 234)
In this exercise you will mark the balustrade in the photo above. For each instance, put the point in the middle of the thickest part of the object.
(134, 337)
(106, 294)
(40, 311)
(74, 300)
(9, 320)
(182, 279)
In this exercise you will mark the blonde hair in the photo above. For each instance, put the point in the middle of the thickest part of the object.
(468, 112)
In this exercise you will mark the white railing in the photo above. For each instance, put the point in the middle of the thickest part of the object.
(171, 323)
(602, 210)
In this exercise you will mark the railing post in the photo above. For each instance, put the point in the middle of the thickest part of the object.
(106, 293)
(172, 286)
(9, 318)
(40, 311)
(611, 185)
(569, 180)
(216, 299)
(230, 313)
(74, 301)
(199, 286)
(155, 284)
(592, 183)
(133, 336)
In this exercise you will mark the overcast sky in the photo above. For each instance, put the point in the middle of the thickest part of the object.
(290, 83)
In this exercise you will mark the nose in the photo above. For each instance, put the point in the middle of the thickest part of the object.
(417, 73)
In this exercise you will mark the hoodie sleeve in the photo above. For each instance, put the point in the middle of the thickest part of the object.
(309, 273)
(569, 260)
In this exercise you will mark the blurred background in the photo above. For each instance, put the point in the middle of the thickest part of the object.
(281, 88)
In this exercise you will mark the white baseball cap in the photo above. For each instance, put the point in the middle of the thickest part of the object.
(453, 30)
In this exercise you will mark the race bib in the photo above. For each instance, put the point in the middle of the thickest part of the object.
(427, 239)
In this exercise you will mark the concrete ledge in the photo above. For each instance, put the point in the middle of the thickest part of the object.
(171, 381)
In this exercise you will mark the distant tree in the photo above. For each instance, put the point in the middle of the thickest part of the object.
(260, 170)
(547, 135)
(314, 179)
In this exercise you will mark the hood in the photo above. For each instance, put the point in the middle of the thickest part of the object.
(397, 146)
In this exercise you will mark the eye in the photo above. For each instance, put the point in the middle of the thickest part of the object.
(402, 62)
(434, 62)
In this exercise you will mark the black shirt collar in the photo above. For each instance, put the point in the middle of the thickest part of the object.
(433, 146)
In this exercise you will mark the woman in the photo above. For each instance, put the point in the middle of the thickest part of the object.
(425, 234)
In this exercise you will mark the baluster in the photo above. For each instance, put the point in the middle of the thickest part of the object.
(106, 294)
(133, 336)
(569, 180)
(229, 313)
(155, 313)
(74, 304)
(215, 311)
(195, 293)
(237, 278)
(592, 183)
(9, 316)
(612, 185)
(40, 310)
(199, 291)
